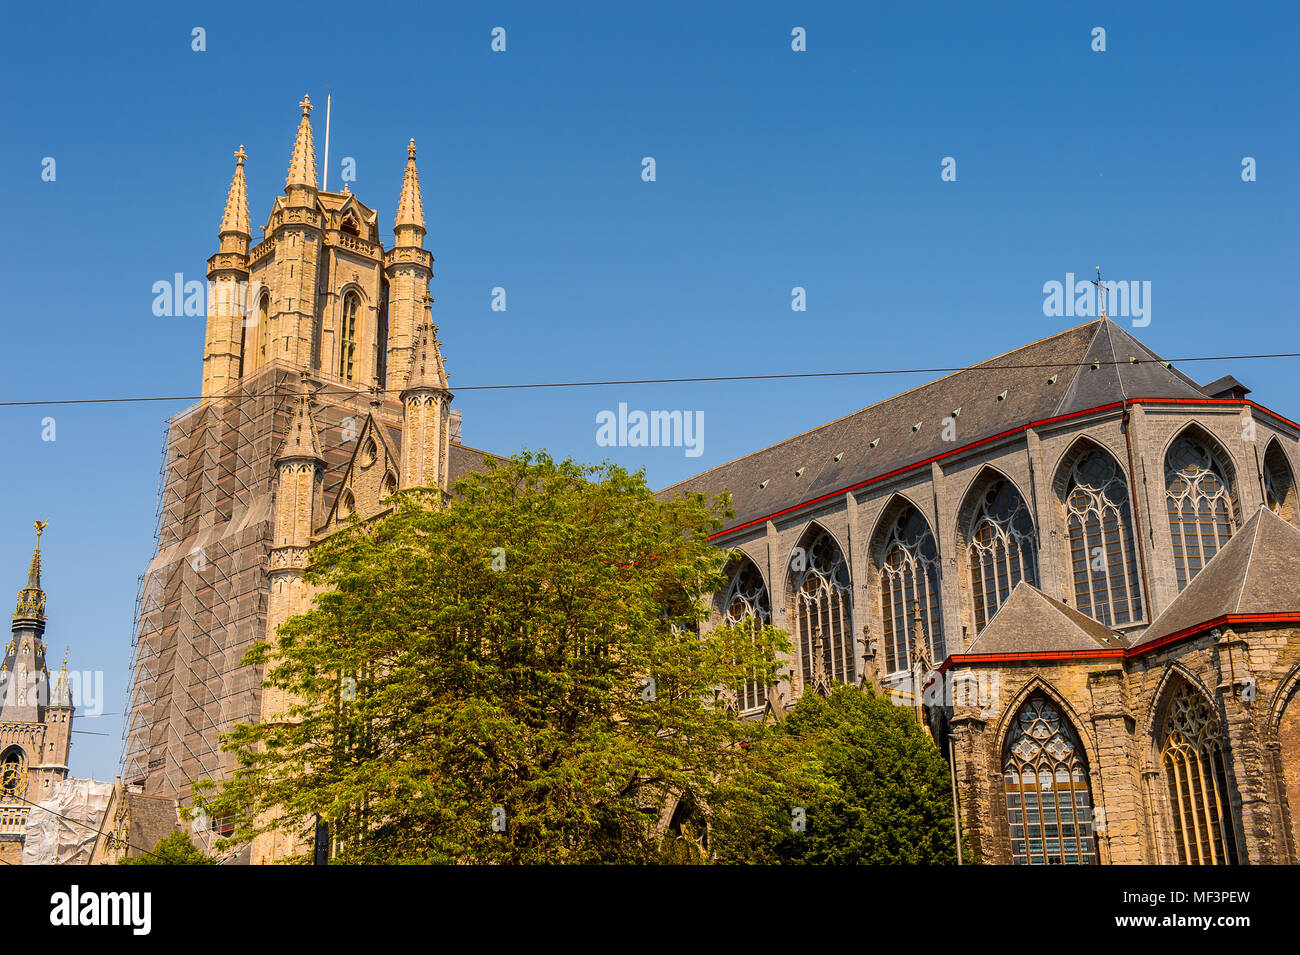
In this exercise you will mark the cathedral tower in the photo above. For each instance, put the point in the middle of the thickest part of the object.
(319, 358)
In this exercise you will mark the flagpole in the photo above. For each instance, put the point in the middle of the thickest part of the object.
(325, 183)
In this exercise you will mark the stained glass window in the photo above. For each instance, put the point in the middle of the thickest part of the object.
(1002, 549)
(1049, 800)
(909, 576)
(822, 605)
(1193, 756)
(1279, 483)
(1102, 551)
(746, 600)
(1198, 499)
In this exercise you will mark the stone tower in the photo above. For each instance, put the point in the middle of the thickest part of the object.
(35, 715)
(323, 391)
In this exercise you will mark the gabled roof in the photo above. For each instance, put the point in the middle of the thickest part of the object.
(1047, 378)
(1225, 387)
(386, 459)
(1256, 572)
(1029, 621)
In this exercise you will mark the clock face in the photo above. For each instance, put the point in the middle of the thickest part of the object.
(13, 775)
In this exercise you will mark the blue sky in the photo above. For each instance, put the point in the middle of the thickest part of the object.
(775, 169)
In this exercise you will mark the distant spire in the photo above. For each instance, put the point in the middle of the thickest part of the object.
(302, 167)
(301, 441)
(31, 599)
(236, 216)
(410, 209)
(428, 373)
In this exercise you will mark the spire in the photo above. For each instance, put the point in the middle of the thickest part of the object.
(301, 442)
(302, 167)
(236, 216)
(62, 695)
(428, 373)
(408, 228)
(31, 599)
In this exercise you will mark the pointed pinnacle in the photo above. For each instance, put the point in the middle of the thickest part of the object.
(428, 373)
(235, 218)
(302, 166)
(301, 442)
(410, 208)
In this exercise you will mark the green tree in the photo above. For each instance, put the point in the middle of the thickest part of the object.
(844, 779)
(512, 675)
(176, 849)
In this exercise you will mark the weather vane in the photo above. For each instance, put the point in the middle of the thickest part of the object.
(1101, 291)
(40, 529)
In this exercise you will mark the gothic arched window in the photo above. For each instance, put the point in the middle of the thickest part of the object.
(821, 604)
(348, 335)
(1002, 549)
(909, 576)
(1045, 777)
(747, 601)
(1192, 754)
(1279, 483)
(1198, 499)
(1102, 551)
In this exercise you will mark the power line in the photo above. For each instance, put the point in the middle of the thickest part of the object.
(672, 381)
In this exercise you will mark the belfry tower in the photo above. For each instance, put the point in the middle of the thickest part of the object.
(318, 346)
(35, 715)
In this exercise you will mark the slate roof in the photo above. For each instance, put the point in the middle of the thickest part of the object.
(1044, 379)
(1030, 621)
(1257, 571)
(1226, 387)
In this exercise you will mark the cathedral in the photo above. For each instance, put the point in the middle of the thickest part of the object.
(1080, 567)
(35, 717)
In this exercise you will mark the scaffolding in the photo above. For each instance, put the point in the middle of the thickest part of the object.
(202, 602)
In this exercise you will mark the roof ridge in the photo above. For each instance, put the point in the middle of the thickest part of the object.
(894, 397)
(1070, 613)
(997, 613)
(1250, 556)
(1110, 339)
(1078, 369)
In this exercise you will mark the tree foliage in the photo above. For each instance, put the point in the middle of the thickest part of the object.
(856, 772)
(176, 849)
(512, 675)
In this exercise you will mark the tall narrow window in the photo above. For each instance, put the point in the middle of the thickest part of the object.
(822, 608)
(1049, 803)
(1192, 754)
(263, 327)
(348, 335)
(1198, 498)
(1279, 483)
(1102, 551)
(909, 583)
(1002, 550)
(746, 602)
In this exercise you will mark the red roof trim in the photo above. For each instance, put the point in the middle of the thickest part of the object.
(998, 437)
(1039, 656)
